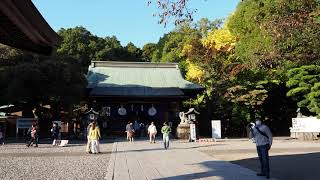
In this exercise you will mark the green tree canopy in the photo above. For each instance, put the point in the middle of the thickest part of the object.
(304, 83)
(148, 50)
(272, 32)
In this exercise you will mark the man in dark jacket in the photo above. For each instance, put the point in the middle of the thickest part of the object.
(55, 133)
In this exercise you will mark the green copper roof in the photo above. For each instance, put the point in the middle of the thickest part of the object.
(139, 78)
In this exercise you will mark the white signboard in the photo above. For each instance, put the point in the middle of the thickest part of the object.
(193, 135)
(305, 124)
(216, 129)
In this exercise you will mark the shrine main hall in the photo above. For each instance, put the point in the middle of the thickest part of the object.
(142, 91)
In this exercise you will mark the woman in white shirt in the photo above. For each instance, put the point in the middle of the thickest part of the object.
(152, 131)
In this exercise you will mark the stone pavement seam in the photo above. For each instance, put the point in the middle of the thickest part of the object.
(112, 161)
(129, 173)
(139, 162)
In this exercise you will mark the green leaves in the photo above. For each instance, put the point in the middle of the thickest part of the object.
(80, 44)
(271, 32)
(304, 84)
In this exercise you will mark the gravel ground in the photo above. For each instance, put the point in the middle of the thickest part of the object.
(47, 162)
(289, 159)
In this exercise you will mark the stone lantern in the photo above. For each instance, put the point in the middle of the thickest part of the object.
(186, 118)
(92, 115)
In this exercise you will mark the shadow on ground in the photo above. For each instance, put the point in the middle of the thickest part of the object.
(220, 171)
(288, 167)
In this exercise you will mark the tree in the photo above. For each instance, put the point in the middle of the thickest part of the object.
(177, 9)
(273, 32)
(113, 49)
(76, 44)
(304, 83)
(205, 25)
(133, 51)
(36, 80)
(80, 44)
(148, 50)
(243, 63)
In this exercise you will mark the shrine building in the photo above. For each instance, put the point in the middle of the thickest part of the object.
(142, 91)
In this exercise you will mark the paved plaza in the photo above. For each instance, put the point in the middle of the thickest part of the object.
(290, 159)
(142, 160)
(120, 160)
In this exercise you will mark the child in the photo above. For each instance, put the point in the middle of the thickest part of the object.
(94, 136)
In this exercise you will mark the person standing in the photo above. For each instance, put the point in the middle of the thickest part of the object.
(1, 136)
(55, 133)
(136, 127)
(98, 141)
(152, 131)
(104, 127)
(165, 130)
(94, 136)
(146, 129)
(127, 127)
(263, 139)
(88, 149)
(34, 136)
(142, 129)
(37, 134)
(130, 132)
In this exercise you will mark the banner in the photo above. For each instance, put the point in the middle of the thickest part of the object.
(193, 135)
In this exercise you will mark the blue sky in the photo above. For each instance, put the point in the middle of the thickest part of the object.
(129, 20)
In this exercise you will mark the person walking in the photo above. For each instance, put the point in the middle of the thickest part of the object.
(104, 128)
(1, 136)
(152, 131)
(130, 132)
(136, 127)
(98, 141)
(146, 129)
(127, 127)
(142, 129)
(263, 139)
(34, 136)
(94, 136)
(88, 147)
(165, 130)
(55, 133)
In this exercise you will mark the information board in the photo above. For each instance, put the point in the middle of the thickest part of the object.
(25, 123)
(216, 129)
(305, 124)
